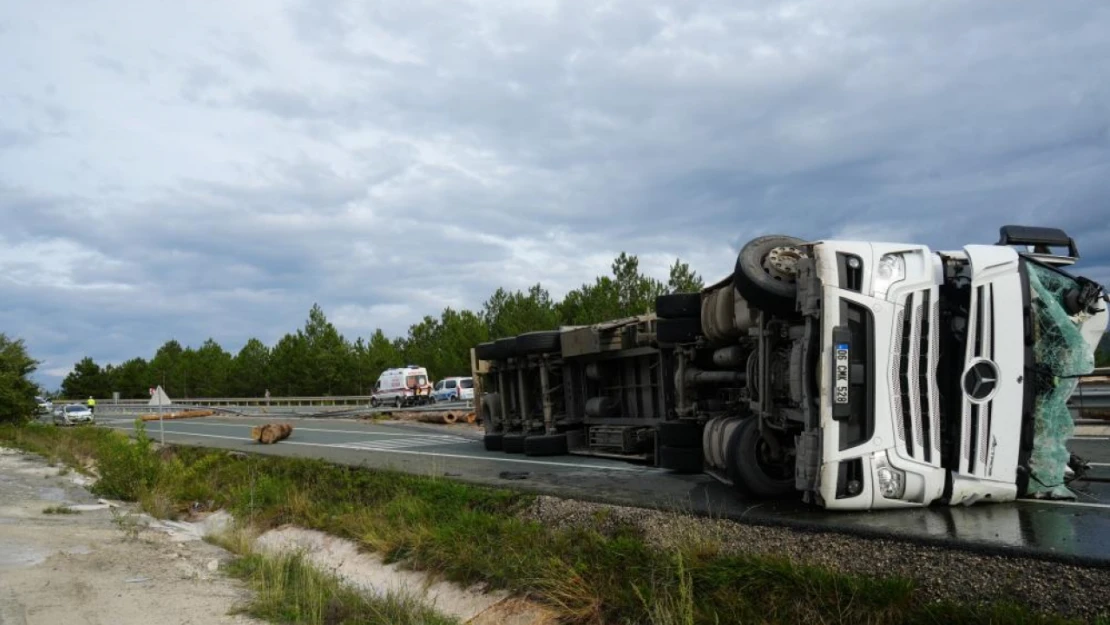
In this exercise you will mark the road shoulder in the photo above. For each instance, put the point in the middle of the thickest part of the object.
(99, 565)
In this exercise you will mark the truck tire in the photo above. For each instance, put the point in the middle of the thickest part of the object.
(750, 470)
(512, 443)
(538, 342)
(681, 459)
(679, 434)
(505, 348)
(678, 305)
(766, 274)
(552, 445)
(492, 442)
(672, 331)
(486, 351)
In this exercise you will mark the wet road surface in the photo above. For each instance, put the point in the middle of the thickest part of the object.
(1076, 532)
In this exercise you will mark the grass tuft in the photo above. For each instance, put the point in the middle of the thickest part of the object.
(289, 590)
(60, 510)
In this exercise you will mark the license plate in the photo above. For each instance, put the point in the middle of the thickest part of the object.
(840, 392)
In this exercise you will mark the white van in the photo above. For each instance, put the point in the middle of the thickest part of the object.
(402, 387)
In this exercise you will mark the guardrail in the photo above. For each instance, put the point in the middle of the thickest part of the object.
(138, 407)
(345, 400)
(1090, 399)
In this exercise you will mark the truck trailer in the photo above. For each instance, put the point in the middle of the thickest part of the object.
(855, 374)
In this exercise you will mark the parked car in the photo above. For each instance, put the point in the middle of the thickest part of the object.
(73, 414)
(45, 405)
(453, 389)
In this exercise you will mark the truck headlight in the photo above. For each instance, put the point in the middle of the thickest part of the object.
(890, 271)
(890, 481)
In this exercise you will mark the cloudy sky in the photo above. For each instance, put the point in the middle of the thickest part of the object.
(195, 169)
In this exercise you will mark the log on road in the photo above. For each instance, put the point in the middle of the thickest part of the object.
(271, 432)
(437, 416)
(184, 414)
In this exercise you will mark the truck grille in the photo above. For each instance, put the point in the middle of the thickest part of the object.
(976, 417)
(912, 383)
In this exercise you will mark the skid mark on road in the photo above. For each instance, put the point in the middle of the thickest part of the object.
(423, 440)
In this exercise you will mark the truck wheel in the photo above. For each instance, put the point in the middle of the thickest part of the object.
(493, 441)
(512, 443)
(752, 468)
(374, 403)
(766, 272)
(506, 348)
(553, 445)
(678, 305)
(681, 459)
(677, 434)
(685, 330)
(538, 342)
(486, 351)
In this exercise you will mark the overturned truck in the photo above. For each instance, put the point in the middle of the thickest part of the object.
(862, 375)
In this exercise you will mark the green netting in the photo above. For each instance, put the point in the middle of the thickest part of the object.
(1061, 354)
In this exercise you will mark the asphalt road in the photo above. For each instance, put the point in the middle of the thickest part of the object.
(1067, 531)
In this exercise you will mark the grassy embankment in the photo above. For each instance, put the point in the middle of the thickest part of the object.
(472, 534)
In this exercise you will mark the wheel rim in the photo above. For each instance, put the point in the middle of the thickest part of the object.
(781, 263)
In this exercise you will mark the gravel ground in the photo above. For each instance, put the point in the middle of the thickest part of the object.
(939, 573)
(100, 566)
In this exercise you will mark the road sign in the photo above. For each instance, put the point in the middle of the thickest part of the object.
(158, 397)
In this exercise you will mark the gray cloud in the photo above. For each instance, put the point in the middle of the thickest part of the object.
(390, 159)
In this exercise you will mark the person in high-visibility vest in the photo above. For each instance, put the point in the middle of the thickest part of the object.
(92, 405)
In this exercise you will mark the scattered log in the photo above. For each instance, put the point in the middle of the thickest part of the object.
(184, 414)
(448, 417)
(271, 433)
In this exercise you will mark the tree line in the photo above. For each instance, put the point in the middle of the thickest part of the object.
(317, 360)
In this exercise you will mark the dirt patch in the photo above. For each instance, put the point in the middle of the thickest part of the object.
(101, 564)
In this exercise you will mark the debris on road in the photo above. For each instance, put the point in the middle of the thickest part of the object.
(271, 433)
(448, 417)
(183, 414)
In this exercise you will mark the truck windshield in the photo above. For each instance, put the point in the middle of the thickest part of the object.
(1060, 354)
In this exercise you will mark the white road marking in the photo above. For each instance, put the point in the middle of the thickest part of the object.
(1099, 464)
(432, 454)
(398, 443)
(1090, 438)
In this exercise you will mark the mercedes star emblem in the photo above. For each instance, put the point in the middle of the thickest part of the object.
(980, 380)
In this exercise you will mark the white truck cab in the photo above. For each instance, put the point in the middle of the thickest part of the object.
(929, 364)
